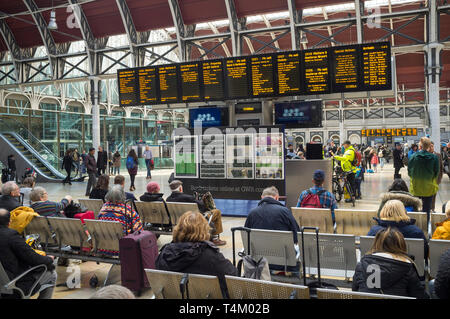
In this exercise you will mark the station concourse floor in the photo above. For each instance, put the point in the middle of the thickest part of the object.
(371, 188)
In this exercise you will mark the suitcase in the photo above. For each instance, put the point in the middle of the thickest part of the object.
(313, 285)
(137, 251)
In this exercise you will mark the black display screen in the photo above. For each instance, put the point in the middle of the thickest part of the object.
(299, 114)
(236, 78)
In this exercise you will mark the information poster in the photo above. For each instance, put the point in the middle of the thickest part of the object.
(185, 156)
(239, 155)
(269, 156)
(212, 163)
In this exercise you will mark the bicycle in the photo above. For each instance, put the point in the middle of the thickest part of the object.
(341, 184)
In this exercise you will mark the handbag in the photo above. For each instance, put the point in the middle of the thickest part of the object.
(152, 164)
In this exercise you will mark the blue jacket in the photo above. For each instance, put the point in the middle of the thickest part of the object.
(408, 229)
(270, 214)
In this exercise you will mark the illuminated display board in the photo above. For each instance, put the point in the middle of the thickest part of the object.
(351, 68)
(262, 67)
(345, 69)
(389, 132)
(213, 80)
(126, 80)
(316, 71)
(190, 82)
(288, 73)
(168, 83)
(147, 85)
(236, 76)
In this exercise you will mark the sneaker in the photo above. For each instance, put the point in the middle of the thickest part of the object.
(219, 242)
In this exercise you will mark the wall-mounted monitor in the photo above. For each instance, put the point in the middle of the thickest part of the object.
(302, 114)
(209, 116)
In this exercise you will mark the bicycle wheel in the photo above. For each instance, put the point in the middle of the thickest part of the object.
(337, 191)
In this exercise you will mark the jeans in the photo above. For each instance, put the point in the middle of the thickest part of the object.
(147, 163)
(116, 170)
(91, 182)
(381, 162)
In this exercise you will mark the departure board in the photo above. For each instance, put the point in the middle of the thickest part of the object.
(127, 80)
(213, 87)
(190, 82)
(147, 85)
(376, 66)
(316, 71)
(345, 69)
(262, 75)
(288, 73)
(236, 76)
(405, 131)
(168, 83)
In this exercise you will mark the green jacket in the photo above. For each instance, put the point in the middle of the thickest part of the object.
(346, 159)
(423, 170)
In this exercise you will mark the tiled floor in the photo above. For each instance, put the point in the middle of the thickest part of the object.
(372, 187)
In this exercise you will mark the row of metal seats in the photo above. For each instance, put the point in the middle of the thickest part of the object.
(156, 216)
(338, 253)
(355, 222)
(175, 285)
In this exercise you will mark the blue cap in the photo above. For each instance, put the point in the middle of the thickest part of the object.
(319, 175)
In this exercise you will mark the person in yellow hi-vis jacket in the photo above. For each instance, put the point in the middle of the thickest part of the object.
(348, 165)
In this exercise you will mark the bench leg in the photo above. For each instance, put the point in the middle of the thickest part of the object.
(113, 275)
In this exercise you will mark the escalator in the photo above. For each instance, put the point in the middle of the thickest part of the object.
(43, 162)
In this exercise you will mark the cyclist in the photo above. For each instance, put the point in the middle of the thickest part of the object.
(348, 165)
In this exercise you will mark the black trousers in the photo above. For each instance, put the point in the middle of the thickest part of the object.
(132, 177)
(101, 170)
(351, 181)
(67, 179)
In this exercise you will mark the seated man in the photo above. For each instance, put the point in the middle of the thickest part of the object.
(326, 199)
(17, 257)
(120, 180)
(153, 193)
(44, 207)
(270, 214)
(11, 196)
(179, 197)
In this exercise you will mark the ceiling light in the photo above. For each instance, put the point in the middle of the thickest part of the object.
(52, 24)
(303, 39)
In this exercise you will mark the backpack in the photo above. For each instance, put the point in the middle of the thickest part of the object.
(130, 162)
(254, 269)
(358, 158)
(312, 200)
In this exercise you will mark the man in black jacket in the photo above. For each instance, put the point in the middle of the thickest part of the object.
(17, 257)
(273, 215)
(398, 160)
(10, 197)
(91, 167)
(179, 197)
(102, 160)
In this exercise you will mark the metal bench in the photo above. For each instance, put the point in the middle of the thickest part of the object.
(154, 216)
(415, 248)
(69, 232)
(337, 254)
(314, 217)
(354, 222)
(94, 205)
(8, 286)
(437, 248)
(178, 209)
(204, 287)
(421, 220)
(245, 288)
(39, 225)
(165, 284)
(341, 294)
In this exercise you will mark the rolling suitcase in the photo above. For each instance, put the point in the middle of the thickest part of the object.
(313, 285)
(137, 251)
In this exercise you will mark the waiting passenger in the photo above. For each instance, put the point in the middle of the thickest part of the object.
(153, 193)
(27, 185)
(16, 257)
(44, 207)
(399, 190)
(120, 180)
(102, 187)
(178, 196)
(393, 214)
(270, 214)
(191, 251)
(395, 273)
(114, 209)
(113, 292)
(442, 281)
(11, 195)
(326, 199)
(443, 229)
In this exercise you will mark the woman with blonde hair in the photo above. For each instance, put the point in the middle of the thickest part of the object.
(387, 268)
(191, 251)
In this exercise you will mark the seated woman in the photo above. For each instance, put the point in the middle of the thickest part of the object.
(114, 209)
(44, 207)
(393, 214)
(102, 187)
(395, 273)
(27, 185)
(191, 251)
(153, 193)
(443, 229)
(399, 190)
